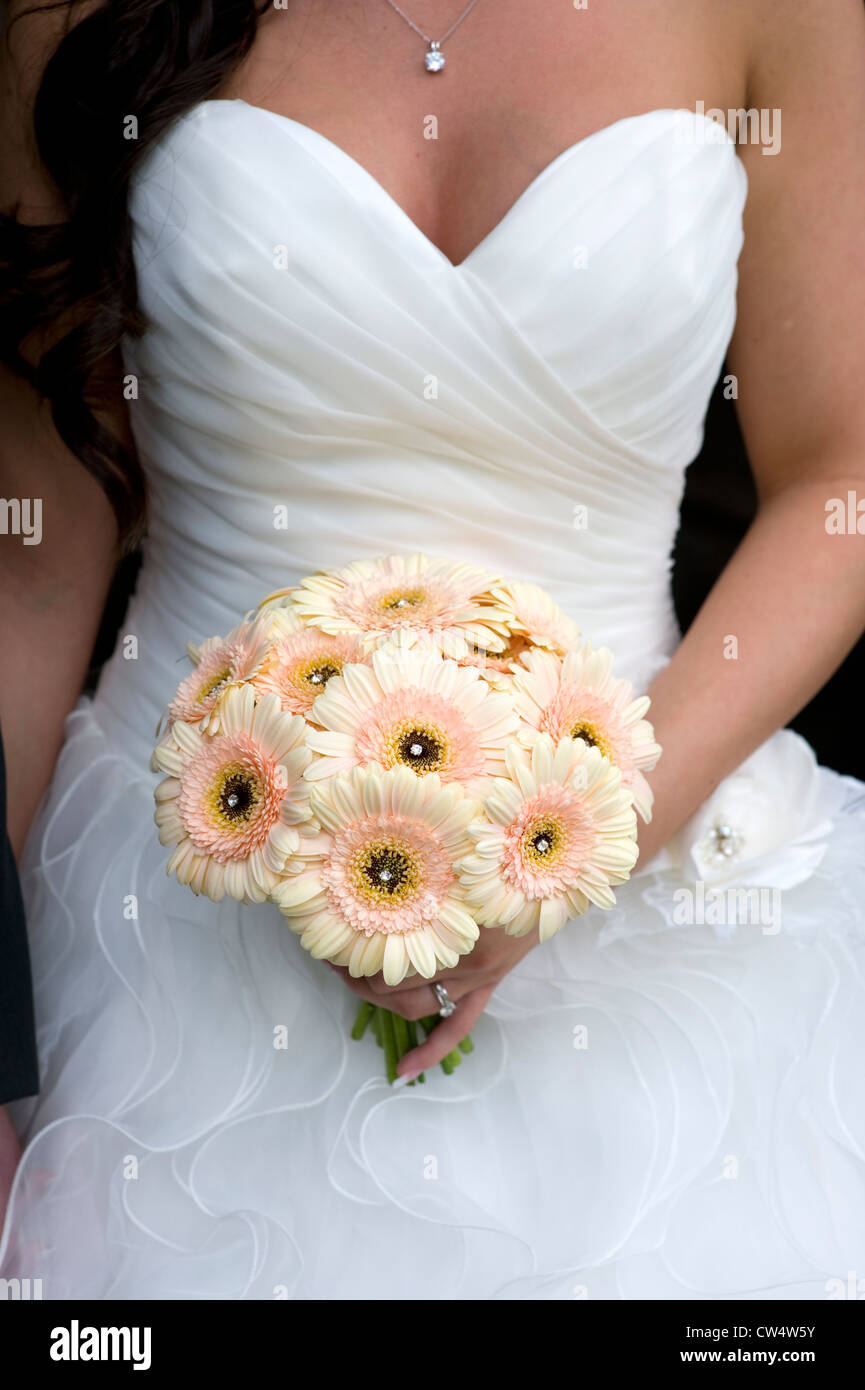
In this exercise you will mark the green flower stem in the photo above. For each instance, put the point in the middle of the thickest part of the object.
(400, 1033)
(388, 1033)
(449, 1063)
(397, 1036)
(364, 1015)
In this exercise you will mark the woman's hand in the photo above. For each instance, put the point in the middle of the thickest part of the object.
(469, 984)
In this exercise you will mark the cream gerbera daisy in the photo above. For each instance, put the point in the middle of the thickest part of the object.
(533, 614)
(280, 598)
(559, 831)
(220, 663)
(379, 890)
(235, 802)
(580, 697)
(301, 660)
(413, 708)
(432, 598)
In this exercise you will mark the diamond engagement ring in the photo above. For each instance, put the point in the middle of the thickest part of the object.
(448, 1006)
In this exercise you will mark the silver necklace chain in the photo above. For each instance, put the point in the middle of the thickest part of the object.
(434, 59)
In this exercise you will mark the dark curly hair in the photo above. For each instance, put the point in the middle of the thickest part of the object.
(73, 283)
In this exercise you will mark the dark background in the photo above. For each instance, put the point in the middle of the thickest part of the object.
(717, 509)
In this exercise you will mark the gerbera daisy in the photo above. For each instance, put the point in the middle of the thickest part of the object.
(532, 613)
(438, 599)
(301, 660)
(220, 663)
(560, 830)
(413, 708)
(496, 667)
(580, 697)
(280, 598)
(379, 891)
(233, 801)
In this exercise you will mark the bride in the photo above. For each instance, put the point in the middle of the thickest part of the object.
(459, 282)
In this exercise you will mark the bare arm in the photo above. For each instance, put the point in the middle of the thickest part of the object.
(51, 596)
(793, 595)
(52, 593)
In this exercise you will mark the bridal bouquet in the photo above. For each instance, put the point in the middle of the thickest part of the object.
(401, 754)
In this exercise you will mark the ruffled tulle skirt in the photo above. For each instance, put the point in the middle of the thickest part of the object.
(655, 1107)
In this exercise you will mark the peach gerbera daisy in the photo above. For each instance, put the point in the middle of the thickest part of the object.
(379, 890)
(580, 697)
(220, 663)
(533, 615)
(431, 598)
(234, 802)
(413, 708)
(559, 831)
(496, 667)
(301, 660)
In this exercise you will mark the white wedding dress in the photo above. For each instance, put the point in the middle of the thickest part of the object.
(656, 1107)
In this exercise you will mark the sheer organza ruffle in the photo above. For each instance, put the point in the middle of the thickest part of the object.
(653, 1109)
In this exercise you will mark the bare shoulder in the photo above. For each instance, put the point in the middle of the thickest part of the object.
(807, 65)
(794, 39)
(798, 343)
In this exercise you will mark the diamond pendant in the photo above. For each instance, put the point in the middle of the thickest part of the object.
(434, 59)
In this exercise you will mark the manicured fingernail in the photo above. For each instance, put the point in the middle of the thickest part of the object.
(410, 1076)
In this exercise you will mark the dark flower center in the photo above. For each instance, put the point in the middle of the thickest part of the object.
(213, 684)
(420, 750)
(320, 675)
(582, 731)
(543, 842)
(410, 598)
(238, 797)
(387, 870)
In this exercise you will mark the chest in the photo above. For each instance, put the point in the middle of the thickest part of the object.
(521, 83)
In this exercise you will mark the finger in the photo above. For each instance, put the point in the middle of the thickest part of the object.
(418, 1003)
(367, 986)
(414, 999)
(408, 1003)
(373, 987)
(411, 982)
(447, 1034)
(463, 970)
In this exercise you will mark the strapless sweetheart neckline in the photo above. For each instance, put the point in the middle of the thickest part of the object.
(318, 382)
(555, 165)
(300, 322)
